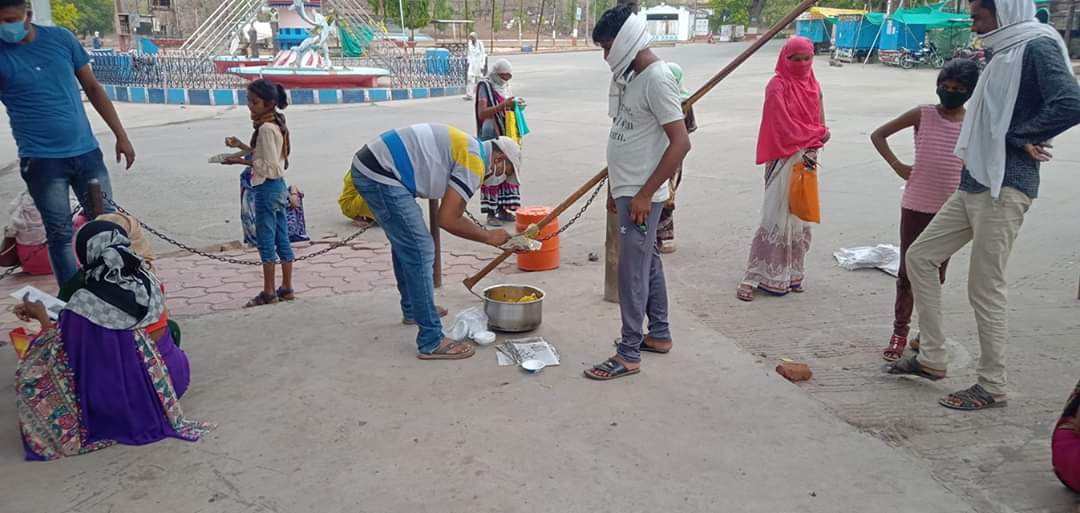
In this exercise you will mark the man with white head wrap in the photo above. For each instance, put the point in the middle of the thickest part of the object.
(1026, 96)
(477, 57)
(436, 162)
(647, 144)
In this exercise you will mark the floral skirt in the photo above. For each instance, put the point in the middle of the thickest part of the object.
(778, 252)
(505, 197)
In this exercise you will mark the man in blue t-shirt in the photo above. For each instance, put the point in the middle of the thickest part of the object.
(41, 69)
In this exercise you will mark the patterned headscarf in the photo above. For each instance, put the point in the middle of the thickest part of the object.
(117, 291)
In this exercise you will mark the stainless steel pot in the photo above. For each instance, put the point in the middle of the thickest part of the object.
(507, 316)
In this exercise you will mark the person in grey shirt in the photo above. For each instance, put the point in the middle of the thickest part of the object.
(1027, 96)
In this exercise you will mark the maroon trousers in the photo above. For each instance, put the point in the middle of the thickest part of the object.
(912, 224)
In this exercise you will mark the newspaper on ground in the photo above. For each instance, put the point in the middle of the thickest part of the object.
(31, 293)
(513, 352)
(885, 257)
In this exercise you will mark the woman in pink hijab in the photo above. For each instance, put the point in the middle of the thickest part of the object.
(792, 131)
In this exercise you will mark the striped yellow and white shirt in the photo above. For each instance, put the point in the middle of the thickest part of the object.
(425, 159)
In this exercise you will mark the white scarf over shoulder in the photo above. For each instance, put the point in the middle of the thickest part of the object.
(633, 37)
(989, 113)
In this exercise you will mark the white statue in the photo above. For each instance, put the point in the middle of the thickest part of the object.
(318, 41)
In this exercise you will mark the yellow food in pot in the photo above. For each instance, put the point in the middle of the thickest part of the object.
(526, 299)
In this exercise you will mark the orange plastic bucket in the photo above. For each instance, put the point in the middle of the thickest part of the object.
(547, 258)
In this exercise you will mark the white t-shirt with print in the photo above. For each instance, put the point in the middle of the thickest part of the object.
(637, 139)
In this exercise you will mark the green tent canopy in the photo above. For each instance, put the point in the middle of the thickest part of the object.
(930, 16)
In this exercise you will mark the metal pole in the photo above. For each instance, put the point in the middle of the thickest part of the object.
(401, 11)
(96, 201)
(433, 219)
(1069, 27)
(539, 26)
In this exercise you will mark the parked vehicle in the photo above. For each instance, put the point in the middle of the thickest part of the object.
(926, 55)
(976, 54)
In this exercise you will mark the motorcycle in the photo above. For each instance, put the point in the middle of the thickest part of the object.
(927, 54)
(976, 54)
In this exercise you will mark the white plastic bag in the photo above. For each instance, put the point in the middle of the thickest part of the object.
(883, 256)
(468, 323)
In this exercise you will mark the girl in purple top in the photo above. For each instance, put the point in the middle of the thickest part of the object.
(931, 180)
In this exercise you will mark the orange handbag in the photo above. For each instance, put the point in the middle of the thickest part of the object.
(803, 200)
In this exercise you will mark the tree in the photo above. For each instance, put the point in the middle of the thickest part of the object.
(417, 15)
(442, 10)
(756, 9)
(730, 12)
(65, 14)
(94, 15)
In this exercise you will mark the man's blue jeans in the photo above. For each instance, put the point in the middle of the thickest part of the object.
(48, 181)
(413, 252)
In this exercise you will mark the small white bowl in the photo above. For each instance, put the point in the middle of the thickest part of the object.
(484, 338)
(533, 366)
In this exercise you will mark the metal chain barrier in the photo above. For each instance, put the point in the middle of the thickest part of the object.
(563, 228)
(344, 242)
(229, 260)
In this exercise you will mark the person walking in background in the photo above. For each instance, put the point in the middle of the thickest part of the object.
(646, 146)
(498, 114)
(477, 58)
(269, 158)
(931, 180)
(792, 131)
(1026, 96)
(665, 231)
(41, 70)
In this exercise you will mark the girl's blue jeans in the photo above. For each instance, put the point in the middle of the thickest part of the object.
(271, 224)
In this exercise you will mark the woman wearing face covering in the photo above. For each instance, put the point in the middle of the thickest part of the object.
(95, 377)
(792, 131)
(497, 112)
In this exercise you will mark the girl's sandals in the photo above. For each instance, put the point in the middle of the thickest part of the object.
(412, 322)
(450, 351)
(745, 292)
(972, 399)
(262, 299)
(796, 287)
(285, 294)
(911, 367)
(895, 351)
(506, 216)
(611, 369)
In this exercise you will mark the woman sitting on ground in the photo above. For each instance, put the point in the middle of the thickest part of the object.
(96, 378)
(1066, 444)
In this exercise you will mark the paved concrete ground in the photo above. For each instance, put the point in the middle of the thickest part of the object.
(303, 430)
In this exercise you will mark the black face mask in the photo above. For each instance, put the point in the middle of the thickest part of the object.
(952, 99)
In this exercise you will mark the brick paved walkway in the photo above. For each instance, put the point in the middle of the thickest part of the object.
(196, 286)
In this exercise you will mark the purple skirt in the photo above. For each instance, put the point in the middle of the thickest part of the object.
(115, 392)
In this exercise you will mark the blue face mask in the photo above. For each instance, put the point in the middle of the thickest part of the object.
(13, 32)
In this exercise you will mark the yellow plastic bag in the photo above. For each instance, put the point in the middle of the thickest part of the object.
(803, 199)
(352, 204)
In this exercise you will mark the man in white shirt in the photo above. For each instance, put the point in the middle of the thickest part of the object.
(647, 144)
